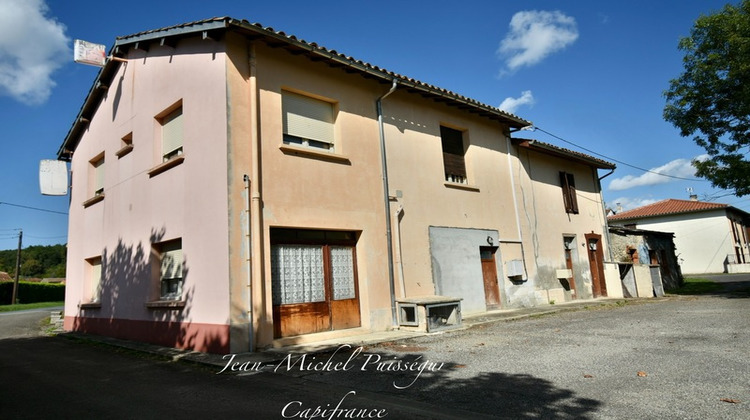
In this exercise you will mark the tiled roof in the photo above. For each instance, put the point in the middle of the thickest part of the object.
(665, 207)
(543, 147)
(215, 27)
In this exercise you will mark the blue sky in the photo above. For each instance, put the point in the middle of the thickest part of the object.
(587, 73)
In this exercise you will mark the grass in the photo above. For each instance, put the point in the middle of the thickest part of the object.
(22, 306)
(697, 286)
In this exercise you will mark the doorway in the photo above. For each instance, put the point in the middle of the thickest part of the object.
(314, 281)
(489, 276)
(596, 264)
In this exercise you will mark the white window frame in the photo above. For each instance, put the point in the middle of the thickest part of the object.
(308, 121)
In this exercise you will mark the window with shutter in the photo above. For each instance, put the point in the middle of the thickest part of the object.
(98, 176)
(95, 272)
(171, 269)
(171, 134)
(570, 199)
(308, 121)
(453, 155)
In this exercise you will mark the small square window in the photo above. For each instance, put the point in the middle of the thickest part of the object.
(126, 145)
(308, 122)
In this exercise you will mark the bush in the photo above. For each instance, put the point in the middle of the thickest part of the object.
(32, 292)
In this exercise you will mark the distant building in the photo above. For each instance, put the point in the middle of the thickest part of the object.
(232, 193)
(708, 237)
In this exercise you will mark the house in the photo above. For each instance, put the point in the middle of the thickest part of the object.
(708, 237)
(236, 188)
(647, 261)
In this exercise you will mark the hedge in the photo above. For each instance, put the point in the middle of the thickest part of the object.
(32, 292)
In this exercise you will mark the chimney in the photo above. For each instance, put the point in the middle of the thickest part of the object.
(693, 197)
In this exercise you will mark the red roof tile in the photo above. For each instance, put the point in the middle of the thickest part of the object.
(669, 206)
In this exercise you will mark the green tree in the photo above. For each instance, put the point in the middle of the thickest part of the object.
(711, 99)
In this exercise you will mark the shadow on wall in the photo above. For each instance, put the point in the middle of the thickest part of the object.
(128, 309)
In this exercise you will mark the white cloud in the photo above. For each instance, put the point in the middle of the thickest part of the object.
(536, 34)
(626, 203)
(511, 104)
(682, 168)
(32, 47)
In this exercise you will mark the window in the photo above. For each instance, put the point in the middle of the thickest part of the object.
(126, 145)
(568, 184)
(97, 179)
(171, 134)
(307, 121)
(453, 155)
(172, 262)
(95, 278)
(299, 273)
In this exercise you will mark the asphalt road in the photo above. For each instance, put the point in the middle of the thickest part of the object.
(673, 358)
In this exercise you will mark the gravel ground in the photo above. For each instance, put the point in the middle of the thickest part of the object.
(680, 357)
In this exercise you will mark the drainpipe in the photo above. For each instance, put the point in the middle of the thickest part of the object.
(400, 262)
(256, 223)
(249, 260)
(515, 200)
(604, 212)
(387, 204)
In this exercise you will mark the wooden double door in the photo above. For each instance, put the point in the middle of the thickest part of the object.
(314, 286)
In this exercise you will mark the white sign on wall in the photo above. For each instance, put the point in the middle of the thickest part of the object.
(53, 177)
(85, 52)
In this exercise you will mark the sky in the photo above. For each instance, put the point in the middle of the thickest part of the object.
(589, 74)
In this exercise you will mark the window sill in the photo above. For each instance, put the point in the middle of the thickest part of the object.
(162, 167)
(465, 187)
(312, 153)
(166, 304)
(93, 200)
(124, 151)
(90, 305)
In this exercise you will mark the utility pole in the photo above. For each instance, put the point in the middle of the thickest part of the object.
(18, 267)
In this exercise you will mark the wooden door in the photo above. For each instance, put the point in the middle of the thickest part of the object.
(569, 265)
(596, 264)
(315, 288)
(489, 275)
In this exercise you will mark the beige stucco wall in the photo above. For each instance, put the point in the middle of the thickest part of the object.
(545, 222)
(187, 201)
(303, 191)
(416, 173)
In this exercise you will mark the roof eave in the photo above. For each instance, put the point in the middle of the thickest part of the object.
(212, 26)
(555, 151)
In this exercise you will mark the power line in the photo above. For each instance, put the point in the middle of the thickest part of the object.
(32, 208)
(619, 161)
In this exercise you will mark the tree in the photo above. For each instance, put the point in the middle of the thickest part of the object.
(711, 99)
